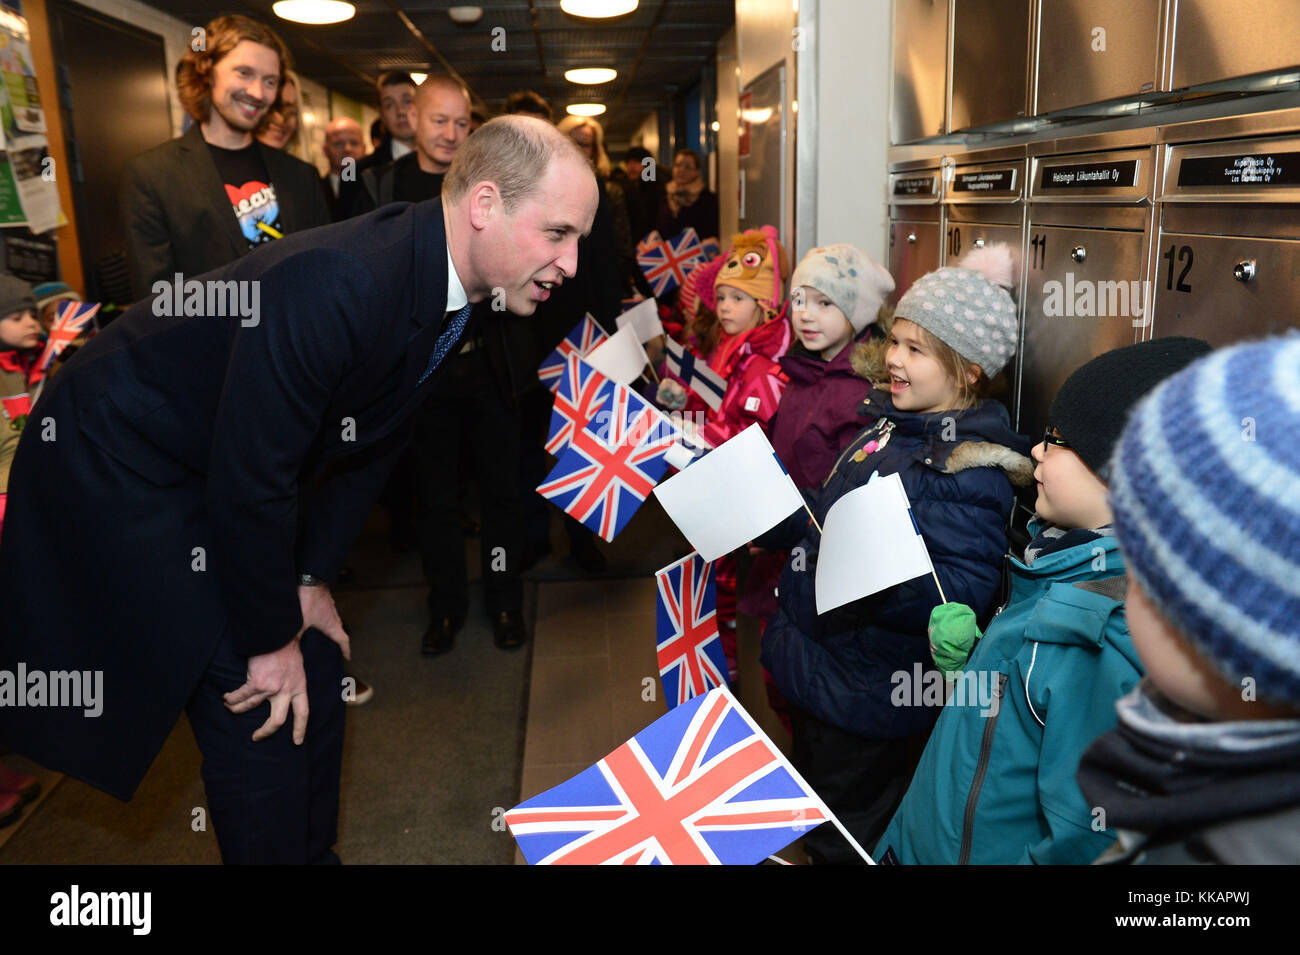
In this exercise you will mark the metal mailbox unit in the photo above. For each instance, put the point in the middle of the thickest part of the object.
(1089, 219)
(915, 221)
(919, 93)
(1090, 51)
(1210, 41)
(990, 62)
(1226, 264)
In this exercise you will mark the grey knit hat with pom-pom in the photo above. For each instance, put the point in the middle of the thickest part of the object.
(968, 306)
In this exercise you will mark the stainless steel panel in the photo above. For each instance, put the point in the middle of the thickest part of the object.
(1065, 325)
(1095, 50)
(1239, 171)
(1266, 122)
(920, 70)
(915, 187)
(914, 249)
(1214, 40)
(960, 237)
(985, 182)
(990, 62)
(1113, 176)
(1224, 288)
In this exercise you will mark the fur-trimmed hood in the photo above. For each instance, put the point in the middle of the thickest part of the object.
(954, 441)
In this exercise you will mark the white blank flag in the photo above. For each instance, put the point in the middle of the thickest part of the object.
(620, 356)
(731, 495)
(847, 567)
(644, 317)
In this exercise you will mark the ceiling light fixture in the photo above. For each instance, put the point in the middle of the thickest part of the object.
(419, 77)
(463, 16)
(597, 9)
(590, 75)
(585, 109)
(314, 11)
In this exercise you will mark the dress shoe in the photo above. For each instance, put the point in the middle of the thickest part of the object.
(363, 692)
(441, 635)
(24, 786)
(508, 630)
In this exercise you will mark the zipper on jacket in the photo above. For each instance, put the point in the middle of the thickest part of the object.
(981, 767)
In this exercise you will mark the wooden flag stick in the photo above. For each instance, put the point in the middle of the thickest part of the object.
(937, 584)
(651, 366)
(811, 516)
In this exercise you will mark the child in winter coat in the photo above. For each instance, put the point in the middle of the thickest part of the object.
(20, 347)
(996, 782)
(1204, 764)
(744, 289)
(836, 293)
(957, 457)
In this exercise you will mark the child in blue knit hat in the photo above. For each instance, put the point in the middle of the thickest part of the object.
(996, 781)
(1204, 764)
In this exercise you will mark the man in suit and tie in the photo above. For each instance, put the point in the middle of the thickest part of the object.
(343, 148)
(194, 478)
(200, 201)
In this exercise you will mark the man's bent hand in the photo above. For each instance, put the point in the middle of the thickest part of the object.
(280, 677)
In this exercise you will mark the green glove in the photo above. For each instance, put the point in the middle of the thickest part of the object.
(952, 635)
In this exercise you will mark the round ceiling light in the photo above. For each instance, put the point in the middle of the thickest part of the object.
(314, 11)
(590, 75)
(597, 9)
(586, 109)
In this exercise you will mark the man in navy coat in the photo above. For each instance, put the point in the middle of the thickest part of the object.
(193, 479)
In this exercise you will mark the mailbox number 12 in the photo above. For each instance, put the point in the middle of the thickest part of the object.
(1184, 254)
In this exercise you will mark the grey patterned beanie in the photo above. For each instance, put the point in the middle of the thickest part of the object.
(850, 278)
(968, 307)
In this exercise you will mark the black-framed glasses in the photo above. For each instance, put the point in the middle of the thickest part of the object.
(1056, 439)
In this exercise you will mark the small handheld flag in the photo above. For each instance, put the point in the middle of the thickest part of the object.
(72, 320)
(584, 337)
(702, 785)
(667, 262)
(579, 398)
(699, 377)
(689, 647)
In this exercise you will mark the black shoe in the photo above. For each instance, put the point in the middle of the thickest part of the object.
(441, 635)
(508, 631)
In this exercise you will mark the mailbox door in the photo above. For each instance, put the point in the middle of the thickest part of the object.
(1065, 323)
(913, 251)
(1224, 288)
(961, 237)
(920, 69)
(1215, 41)
(990, 56)
(1095, 50)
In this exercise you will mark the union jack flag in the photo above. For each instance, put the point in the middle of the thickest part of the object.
(612, 464)
(581, 395)
(700, 785)
(73, 318)
(585, 336)
(651, 238)
(631, 300)
(667, 262)
(699, 377)
(691, 661)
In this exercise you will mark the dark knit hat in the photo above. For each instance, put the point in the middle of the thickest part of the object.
(1206, 496)
(15, 295)
(1090, 409)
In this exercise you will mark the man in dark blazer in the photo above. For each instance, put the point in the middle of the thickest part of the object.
(212, 195)
(195, 476)
(395, 91)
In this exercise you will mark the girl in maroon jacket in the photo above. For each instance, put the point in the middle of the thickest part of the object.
(836, 294)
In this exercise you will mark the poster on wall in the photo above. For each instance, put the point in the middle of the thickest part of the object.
(33, 258)
(28, 195)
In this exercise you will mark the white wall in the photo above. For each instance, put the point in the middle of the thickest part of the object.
(852, 44)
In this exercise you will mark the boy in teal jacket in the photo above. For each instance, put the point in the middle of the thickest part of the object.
(996, 782)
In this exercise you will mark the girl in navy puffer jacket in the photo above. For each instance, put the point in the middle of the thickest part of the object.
(861, 715)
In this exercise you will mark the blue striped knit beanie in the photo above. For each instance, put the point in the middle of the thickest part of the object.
(1205, 489)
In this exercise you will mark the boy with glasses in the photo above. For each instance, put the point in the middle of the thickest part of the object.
(996, 782)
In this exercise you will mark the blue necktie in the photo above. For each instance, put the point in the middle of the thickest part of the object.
(455, 325)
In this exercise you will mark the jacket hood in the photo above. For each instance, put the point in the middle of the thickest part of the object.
(983, 437)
